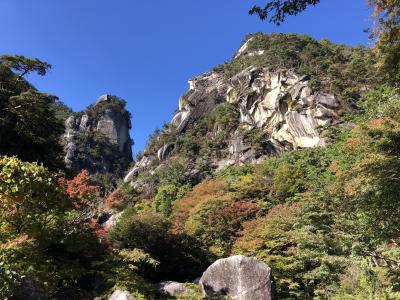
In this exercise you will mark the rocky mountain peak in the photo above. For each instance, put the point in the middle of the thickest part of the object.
(98, 137)
(279, 107)
(275, 95)
(103, 99)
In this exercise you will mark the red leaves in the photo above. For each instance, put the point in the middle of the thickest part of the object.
(115, 201)
(79, 189)
(238, 210)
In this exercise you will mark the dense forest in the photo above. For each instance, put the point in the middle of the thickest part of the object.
(325, 218)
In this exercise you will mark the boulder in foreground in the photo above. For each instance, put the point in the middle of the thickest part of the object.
(242, 278)
(121, 295)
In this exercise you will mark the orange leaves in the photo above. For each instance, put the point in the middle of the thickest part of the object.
(200, 193)
(213, 215)
(334, 168)
(236, 211)
(377, 123)
(273, 227)
(249, 240)
(115, 201)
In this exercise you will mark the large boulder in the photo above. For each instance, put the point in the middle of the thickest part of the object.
(121, 295)
(240, 277)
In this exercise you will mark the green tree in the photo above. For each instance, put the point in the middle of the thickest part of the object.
(24, 65)
(29, 127)
(385, 31)
(166, 195)
(276, 10)
(227, 116)
(387, 35)
(34, 228)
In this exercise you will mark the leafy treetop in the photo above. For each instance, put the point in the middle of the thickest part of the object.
(24, 65)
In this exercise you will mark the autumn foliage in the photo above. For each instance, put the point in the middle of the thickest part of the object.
(213, 215)
(114, 201)
(200, 193)
(80, 190)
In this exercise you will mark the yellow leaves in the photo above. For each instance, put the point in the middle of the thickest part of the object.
(200, 193)
(358, 178)
(207, 207)
(269, 232)
(135, 256)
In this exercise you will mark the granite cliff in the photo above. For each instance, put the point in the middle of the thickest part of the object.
(98, 139)
(261, 103)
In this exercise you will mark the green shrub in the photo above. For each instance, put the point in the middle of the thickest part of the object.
(149, 231)
(227, 116)
(257, 139)
(347, 66)
(173, 173)
(232, 173)
(166, 195)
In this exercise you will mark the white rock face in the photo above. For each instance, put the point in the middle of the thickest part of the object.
(164, 151)
(112, 221)
(243, 48)
(121, 295)
(140, 165)
(281, 104)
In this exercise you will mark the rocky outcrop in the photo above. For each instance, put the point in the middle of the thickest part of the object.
(240, 277)
(164, 151)
(104, 125)
(206, 92)
(283, 105)
(141, 165)
(276, 109)
(173, 289)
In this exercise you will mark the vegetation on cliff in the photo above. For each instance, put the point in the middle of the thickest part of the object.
(325, 219)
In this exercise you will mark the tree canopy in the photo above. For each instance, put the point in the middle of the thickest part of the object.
(275, 11)
(385, 31)
(29, 126)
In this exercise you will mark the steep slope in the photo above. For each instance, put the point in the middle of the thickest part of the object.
(280, 92)
(98, 139)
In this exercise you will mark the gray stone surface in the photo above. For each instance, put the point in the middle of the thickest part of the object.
(240, 277)
(112, 221)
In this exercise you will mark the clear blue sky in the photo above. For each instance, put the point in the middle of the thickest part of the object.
(145, 51)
